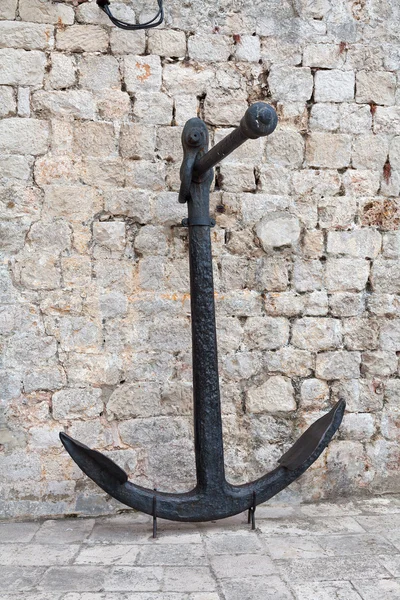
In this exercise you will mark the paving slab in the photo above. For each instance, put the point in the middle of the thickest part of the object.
(20, 579)
(17, 532)
(380, 523)
(173, 555)
(188, 579)
(383, 589)
(291, 547)
(76, 578)
(102, 554)
(37, 555)
(234, 542)
(309, 526)
(140, 579)
(332, 569)
(68, 531)
(364, 543)
(256, 588)
(242, 565)
(332, 590)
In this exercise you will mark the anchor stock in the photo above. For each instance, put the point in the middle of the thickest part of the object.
(213, 496)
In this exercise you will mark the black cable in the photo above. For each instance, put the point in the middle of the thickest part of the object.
(154, 22)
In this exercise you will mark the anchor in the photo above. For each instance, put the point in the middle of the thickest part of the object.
(213, 497)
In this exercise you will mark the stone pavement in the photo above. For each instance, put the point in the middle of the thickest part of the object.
(344, 551)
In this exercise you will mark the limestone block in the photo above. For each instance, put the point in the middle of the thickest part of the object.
(308, 275)
(209, 48)
(385, 276)
(77, 104)
(355, 118)
(15, 169)
(21, 67)
(346, 274)
(45, 378)
(391, 244)
(278, 229)
(153, 108)
(156, 430)
(82, 38)
(314, 394)
(325, 56)
(334, 86)
(123, 42)
(384, 304)
(74, 202)
(77, 403)
(274, 396)
(286, 148)
(38, 11)
(387, 120)
(379, 363)
(110, 235)
(29, 36)
(315, 334)
(113, 104)
(336, 212)
(187, 78)
(185, 108)
(137, 141)
(291, 83)
(361, 333)
(167, 42)
(24, 136)
(290, 361)
(248, 48)
(316, 304)
(8, 9)
(313, 243)
(361, 182)
(146, 175)
(280, 51)
(92, 369)
(394, 153)
(224, 110)
(272, 274)
(338, 365)
(377, 87)
(370, 152)
(142, 73)
(38, 272)
(328, 150)
(132, 400)
(266, 333)
(151, 239)
(51, 236)
(237, 177)
(361, 243)
(324, 117)
(98, 72)
(390, 335)
(77, 271)
(316, 182)
(287, 304)
(130, 202)
(18, 201)
(93, 139)
(7, 102)
(359, 426)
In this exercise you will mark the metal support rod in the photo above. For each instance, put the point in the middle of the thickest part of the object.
(259, 120)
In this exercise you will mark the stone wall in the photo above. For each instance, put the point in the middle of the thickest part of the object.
(94, 296)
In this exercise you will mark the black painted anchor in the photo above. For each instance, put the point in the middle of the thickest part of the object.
(213, 496)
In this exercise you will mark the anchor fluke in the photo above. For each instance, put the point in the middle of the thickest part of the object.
(83, 455)
(309, 441)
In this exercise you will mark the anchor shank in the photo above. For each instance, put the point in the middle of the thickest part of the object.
(206, 396)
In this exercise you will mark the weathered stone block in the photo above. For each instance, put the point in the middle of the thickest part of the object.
(167, 42)
(346, 274)
(293, 84)
(94, 139)
(110, 235)
(288, 304)
(24, 136)
(326, 56)
(385, 276)
(336, 212)
(74, 202)
(233, 109)
(266, 333)
(286, 148)
(77, 403)
(308, 275)
(153, 108)
(248, 48)
(338, 365)
(329, 150)
(45, 12)
(274, 396)
(362, 243)
(355, 118)
(324, 117)
(99, 73)
(361, 333)
(82, 38)
(379, 363)
(123, 42)
(314, 394)
(370, 152)
(390, 335)
(209, 48)
(278, 229)
(29, 36)
(132, 400)
(334, 86)
(291, 362)
(72, 104)
(113, 104)
(8, 9)
(316, 334)
(21, 67)
(142, 73)
(377, 87)
(7, 102)
(186, 78)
